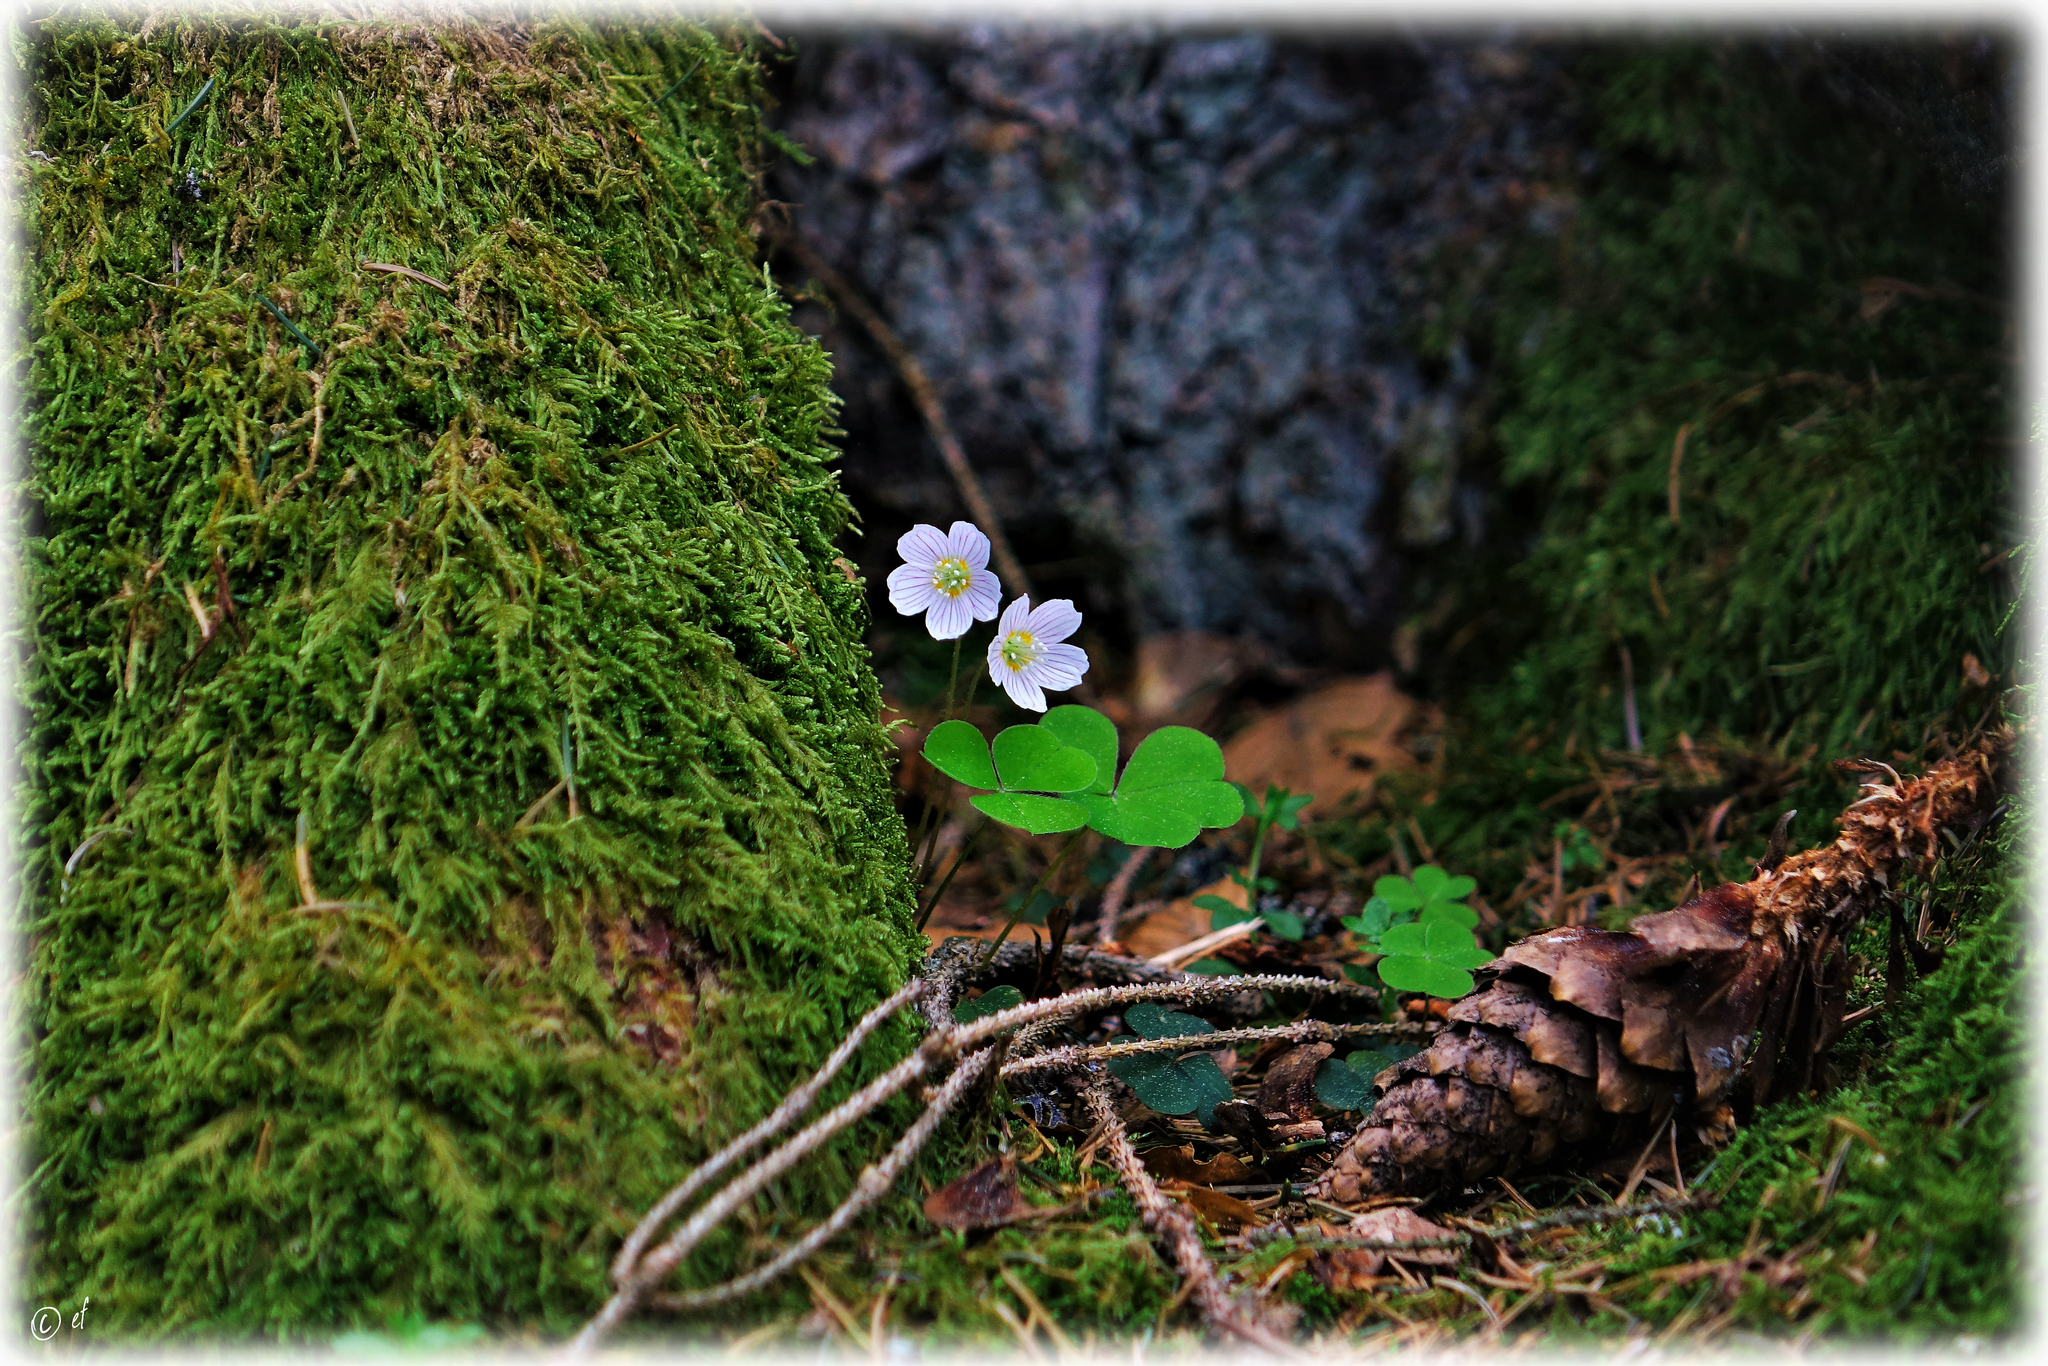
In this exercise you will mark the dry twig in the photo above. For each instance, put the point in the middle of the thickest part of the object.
(1171, 1220)
(926, 395)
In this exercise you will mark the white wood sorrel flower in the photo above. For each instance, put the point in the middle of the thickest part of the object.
(1026, 656)
(946, 577)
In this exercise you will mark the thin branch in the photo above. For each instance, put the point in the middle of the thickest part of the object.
(637, 1274)
(1172, 1220)
(410, 273)
(925, 395)
(1114, 894)
(794, 1104)
(874, 1183)
(1320, 1031)
(1215, 939)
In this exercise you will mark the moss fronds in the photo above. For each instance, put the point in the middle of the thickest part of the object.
(325, 600)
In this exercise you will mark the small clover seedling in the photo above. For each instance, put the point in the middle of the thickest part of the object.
(1278, 807)
(1431, 956)
(1172, 1086)
(1424, 928)
(1575, 848)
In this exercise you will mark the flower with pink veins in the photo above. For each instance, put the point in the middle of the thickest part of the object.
(1026, 656)
(946, 577)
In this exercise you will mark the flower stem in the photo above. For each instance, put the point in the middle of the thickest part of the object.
(947, 880)
(1025, 904)
(952, 677)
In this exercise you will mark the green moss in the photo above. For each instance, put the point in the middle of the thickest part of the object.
(571, 518)
(1844, 485)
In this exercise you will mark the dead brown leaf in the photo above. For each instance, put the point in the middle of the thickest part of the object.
(1178, 1164)
(1332, 742)
(1288, 1092)
(1396, 1224)
(984, 1198)
(1183, 675)
(1177, 923)
(1226, 1212)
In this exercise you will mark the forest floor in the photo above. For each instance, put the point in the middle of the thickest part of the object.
(1887, 1203)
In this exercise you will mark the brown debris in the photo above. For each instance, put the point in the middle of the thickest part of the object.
(1178, 1164)
(1288, 1093)
(1586, 1042)
(986, 1197)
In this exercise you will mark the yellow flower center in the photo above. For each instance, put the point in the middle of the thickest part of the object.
(1019, 649)
(951, 577)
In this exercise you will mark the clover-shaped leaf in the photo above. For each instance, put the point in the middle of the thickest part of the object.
(1431, 956)
(1031, 814)
(1032, 759)
(1024, 762)
(1373, 921)
(957, 750)
(1170, 1085)
(1340, 1088)
(1153, 1021)
(1089, 731)
(1346, 1084)
(1431, 891)
(1171, 790)
(988, 1003)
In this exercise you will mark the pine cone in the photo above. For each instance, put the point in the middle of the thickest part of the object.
(1583, 1042)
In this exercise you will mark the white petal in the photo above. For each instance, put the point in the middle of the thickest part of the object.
(948, 618)
(1056, 620)
(1060, 667)
(966, 541)
(922, 545)
(1016, 617)
(983, 593)
(910, 589)
(1023, 691)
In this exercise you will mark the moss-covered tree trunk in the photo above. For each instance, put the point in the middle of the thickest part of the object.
(454, 795)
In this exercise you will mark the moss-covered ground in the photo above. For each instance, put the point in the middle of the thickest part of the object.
(454, 797)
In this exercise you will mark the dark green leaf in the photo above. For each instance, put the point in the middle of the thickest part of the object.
(1194, 1085)
(1215, 967)
(1286, 924)
(1342, 1088)
(988, 1003)
(1153, 1021)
